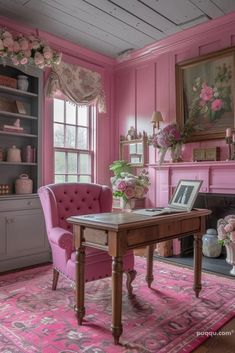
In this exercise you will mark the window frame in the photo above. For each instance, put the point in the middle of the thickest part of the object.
(78, 151)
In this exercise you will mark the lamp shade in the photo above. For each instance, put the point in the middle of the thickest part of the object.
(156, 117)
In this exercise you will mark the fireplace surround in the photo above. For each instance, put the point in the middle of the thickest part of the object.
(217, 192)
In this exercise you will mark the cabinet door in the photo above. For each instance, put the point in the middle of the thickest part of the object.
(2, 235)
(26, 233)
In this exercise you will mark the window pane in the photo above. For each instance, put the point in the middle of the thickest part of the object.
(70, 113)
(85, 178)
(83, 115)
(82, 140)
(70, 136)
(59, 178)
(58, 107)
(72, 178)
(60, 162)
(72, 163)
(84, 163)
(58, 135)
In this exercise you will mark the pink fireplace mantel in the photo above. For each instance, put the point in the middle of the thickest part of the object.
(217, 177)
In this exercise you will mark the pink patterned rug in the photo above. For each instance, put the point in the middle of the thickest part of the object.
(165, 319)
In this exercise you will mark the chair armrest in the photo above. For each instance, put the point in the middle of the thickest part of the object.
(61, 237)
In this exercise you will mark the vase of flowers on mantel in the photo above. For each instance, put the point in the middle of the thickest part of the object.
(127, 186)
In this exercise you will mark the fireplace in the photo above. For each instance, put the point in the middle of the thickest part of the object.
(221, 205)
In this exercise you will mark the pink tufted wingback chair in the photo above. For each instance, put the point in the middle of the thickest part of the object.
(60, 201)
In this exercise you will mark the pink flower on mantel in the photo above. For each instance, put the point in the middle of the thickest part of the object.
(216, 105)
(206, 92)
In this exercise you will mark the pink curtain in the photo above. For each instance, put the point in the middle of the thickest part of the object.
(77, 84)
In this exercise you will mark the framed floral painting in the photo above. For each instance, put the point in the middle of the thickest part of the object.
(205, 95)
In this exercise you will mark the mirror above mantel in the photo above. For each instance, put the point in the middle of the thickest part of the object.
(134, 151)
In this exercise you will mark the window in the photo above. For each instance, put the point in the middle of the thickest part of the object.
(73, 141)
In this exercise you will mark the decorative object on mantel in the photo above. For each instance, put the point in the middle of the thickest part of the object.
(133, 147)
(128, 186)
(77, 84)
(170, 137)
(210, 245)
(230, 140)
(226, 235)
(206, 154)
(26, 50)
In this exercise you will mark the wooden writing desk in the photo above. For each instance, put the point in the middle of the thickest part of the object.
(117, 233)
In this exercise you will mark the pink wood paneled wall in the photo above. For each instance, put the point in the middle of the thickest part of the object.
(146, 82)
(74, 54)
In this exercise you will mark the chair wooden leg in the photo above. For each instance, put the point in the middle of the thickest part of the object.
(55, 279)
(130, 278)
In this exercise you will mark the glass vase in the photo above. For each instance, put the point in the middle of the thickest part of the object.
(127, 205)
(161, 155)
(176, 151)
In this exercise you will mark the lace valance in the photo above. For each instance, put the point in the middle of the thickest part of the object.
(77, 84)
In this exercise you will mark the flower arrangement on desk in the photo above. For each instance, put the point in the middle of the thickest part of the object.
(126, 185)
(24, 50)
(226, 230)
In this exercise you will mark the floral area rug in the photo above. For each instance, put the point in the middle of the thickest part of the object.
(165, 319)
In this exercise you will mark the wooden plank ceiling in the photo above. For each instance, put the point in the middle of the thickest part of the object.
(113, 27)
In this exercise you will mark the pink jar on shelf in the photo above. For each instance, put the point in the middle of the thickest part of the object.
(23, 185)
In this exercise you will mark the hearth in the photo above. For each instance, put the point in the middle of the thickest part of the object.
(221, 205)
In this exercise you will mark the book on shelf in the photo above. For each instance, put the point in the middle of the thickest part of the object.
(13, 128)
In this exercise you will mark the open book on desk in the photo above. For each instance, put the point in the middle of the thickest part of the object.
(182, 199)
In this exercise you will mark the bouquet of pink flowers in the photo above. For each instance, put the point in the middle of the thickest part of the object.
(23, 50)
(125, 184)
(167, 137)
(226, 230)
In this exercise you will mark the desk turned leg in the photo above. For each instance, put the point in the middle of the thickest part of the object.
(79, 284)
(117, 274)
(149, 275)
(197, 264)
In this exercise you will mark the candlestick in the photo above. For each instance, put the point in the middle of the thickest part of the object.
(228, 132)
(228, 140)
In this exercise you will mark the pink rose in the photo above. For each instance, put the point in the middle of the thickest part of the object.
(38, 59)
(35, 44)
(47, 52)
(15, 61)
(8, 43)
(6, 34)
(121, 185)
(16, 47)
(23, 61)
(24, 44)
(228, 228)
(206, 93)
(27, 53)
(216, 104)
(129, 192)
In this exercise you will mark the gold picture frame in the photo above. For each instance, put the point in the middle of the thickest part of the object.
(205, 95)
